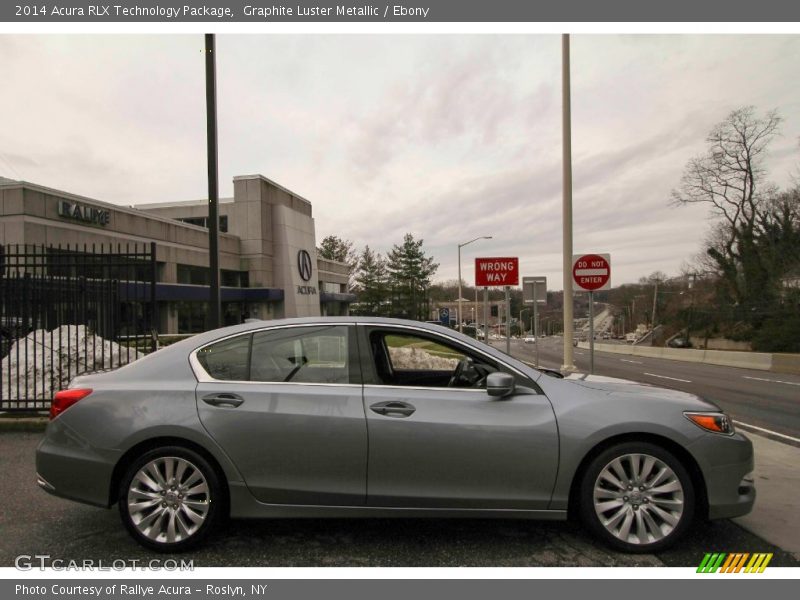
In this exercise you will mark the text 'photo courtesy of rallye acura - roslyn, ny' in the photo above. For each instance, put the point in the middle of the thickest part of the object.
(365, 417)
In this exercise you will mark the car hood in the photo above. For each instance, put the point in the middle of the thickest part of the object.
(639, 392)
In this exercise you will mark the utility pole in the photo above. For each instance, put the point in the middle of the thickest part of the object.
(655, 296)
(215, 313)
(566, 160)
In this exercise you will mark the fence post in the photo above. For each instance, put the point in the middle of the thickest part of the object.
(153, 303)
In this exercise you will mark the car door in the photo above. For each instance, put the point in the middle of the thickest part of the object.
(435, 445)
(286, 405)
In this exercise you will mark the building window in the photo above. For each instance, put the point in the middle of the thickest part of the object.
(332, 288)
(192, 274)
(234, 278)
(192, 316)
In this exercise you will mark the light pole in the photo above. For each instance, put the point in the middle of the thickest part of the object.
(566, 202)
(483, 237)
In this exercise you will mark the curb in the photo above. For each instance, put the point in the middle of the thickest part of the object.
(22, 424)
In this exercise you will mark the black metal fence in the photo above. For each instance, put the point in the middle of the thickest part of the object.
(69, 310)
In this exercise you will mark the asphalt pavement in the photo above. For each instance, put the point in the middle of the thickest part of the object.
(769, 401)
(33, 522)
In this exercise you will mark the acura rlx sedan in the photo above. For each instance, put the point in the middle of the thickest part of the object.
(360, 417)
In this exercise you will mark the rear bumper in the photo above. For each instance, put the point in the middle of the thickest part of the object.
(69, 468)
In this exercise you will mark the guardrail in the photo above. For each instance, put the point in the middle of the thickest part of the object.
(762, 361)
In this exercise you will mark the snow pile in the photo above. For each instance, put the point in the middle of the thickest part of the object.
(44, 362)
(412, 358)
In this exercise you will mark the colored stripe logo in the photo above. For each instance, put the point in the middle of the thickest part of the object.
(736, 562)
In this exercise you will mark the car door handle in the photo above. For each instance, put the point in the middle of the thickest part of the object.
(393, 409)
(225, 399)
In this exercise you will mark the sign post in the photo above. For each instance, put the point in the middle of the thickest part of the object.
(486, 315)
(534, 291)
(508, 321)
(591, 272)
(503, 271)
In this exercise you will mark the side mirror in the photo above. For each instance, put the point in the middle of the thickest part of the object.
(499, 384)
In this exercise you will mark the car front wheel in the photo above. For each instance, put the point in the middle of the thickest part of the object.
(170, 499)
(637, 497)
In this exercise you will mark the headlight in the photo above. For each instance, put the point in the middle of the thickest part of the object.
(715, 422)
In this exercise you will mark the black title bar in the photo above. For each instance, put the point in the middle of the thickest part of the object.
(432, 11)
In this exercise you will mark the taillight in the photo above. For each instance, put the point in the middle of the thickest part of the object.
(66, 398)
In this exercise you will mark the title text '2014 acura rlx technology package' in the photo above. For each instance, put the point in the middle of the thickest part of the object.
(365, 417)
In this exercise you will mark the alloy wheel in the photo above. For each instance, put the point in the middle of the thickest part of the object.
(168, 499)
(638, 499)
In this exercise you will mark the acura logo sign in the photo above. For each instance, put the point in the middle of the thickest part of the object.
(304, 265)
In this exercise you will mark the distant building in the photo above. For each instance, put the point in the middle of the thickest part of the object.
(268, 263)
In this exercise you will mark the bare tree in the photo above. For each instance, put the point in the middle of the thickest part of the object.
(729, 175)
(730, 178)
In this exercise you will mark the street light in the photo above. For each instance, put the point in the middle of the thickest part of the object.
(483, 237)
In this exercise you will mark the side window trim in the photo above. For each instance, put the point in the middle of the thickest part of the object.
(355, 371)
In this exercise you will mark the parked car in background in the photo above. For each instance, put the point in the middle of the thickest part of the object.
(529, 339)
(291, 418)
(679, 342)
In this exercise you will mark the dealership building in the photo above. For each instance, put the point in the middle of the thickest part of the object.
(267, 248)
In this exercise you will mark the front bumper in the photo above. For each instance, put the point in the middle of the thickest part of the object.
(727, 463)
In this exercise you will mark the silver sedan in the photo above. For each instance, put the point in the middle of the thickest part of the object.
(364, 417)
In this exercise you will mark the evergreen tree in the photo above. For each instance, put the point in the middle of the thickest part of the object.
(410, 273)
(371, 283)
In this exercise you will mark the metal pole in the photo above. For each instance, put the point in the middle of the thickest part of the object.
(591, 333)
(508, 321)
(213, 191)
(653, 321)
(536, 325)
(475, 310)
(691, 309)
(566, 133)
(459, 288)
(486, 315)
(153, 305)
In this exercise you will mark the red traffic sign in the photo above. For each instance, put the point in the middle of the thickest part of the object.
(496, 271)
(591, 272)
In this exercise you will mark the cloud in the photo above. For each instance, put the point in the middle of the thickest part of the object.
(448, 137)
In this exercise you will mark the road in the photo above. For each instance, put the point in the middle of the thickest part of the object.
(761, 399)
(34, 523)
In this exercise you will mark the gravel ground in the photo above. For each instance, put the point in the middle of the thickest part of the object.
(33, 522)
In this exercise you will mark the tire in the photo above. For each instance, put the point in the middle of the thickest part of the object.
(170, 499)
(637, 497)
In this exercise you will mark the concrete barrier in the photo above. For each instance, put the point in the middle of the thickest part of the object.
(786, 363)
(761, 361)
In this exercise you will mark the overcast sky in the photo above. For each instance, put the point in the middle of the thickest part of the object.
(448, 137)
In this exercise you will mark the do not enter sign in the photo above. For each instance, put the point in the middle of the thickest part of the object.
(591, 272)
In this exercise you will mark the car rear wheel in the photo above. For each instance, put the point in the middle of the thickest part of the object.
(637, 497)
(170, 499)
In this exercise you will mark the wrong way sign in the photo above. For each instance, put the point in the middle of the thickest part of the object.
(591, 272)
(496, 271)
